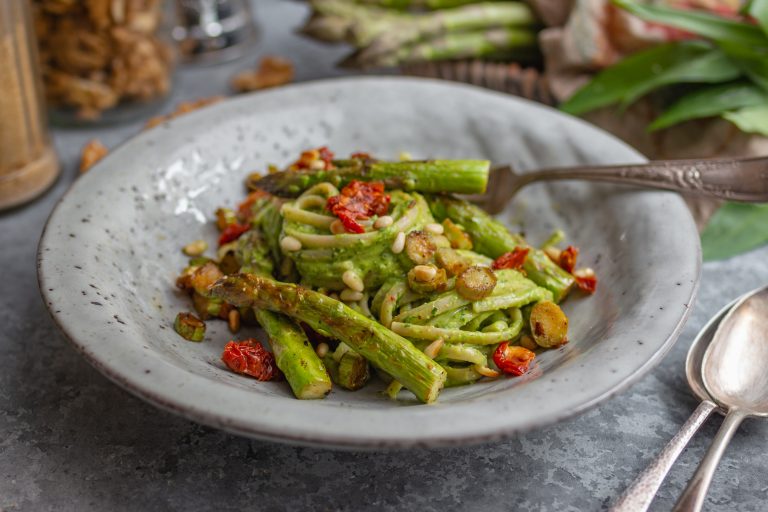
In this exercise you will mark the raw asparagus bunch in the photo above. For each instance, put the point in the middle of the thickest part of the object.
(431, 176)
(495, 43)
(386, 35)
(417, 4)
(382, 347)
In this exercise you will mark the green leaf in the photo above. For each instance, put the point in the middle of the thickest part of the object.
(636, 73)
(704, 24)
(733, 229)
(758, 9)
(753, 62)
(750, 119)
(711, 67)
(710, 101)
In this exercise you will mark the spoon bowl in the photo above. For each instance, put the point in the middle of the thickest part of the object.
(694, 361)
(733, 373)
(733, 368)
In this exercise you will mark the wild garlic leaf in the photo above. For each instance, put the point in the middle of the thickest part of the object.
(713, 66)
(735, 228)
(710, 101)
(758, 9)
(701, 23)
(750, 119)
(630, 75)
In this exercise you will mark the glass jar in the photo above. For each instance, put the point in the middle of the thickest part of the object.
(103, 60)
(28, 164)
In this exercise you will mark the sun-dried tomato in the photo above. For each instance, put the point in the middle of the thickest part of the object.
(244, 209)
(349, 223)
(249, 357)
(513, 259)
(587, 284)
(568, 258)
(359, 201)
(326, 155)
(512, 359)
(361, 156)
(232, 232)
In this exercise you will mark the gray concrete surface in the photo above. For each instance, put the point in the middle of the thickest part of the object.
(72, 441)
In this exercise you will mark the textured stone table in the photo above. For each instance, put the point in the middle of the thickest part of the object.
(72, 441)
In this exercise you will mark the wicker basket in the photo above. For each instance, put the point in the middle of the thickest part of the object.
(511, 78)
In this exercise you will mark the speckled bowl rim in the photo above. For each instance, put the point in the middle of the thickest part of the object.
(137, 384)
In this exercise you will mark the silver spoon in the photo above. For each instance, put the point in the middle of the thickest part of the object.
(734, 374)
(640, 493)
(734, 179)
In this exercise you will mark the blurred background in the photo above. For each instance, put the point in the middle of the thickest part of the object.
(673, 78)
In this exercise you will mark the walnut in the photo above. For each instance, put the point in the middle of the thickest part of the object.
(91, 153)
(272, 72)
(96, 54)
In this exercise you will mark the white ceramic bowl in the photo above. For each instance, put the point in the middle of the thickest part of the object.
(110, 253)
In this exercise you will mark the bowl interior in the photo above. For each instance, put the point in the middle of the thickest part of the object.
(111, 253)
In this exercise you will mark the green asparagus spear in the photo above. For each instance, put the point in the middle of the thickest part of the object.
(471, 18)
(349, 369)
(331, 29)
(375, 18)
(432, 176)
(495, 43)
(493, 239)
(253, 254)
(382, 347)
(189, 327)
(294, 354)
(415, 27)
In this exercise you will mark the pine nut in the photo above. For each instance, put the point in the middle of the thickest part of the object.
(485, 371)
(233, 320)
(399, 244)
(195, 248)
(584, 273)
(383, 222)
(353, 281)
(337, 228)
(290, 244)
(322, 349)
(528, 342)
(434, 348)
(348, 295)
(424, 273)
(434, 228)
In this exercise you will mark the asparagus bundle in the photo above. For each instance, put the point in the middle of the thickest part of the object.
(416, 4)
(295, 357)
(496, 43)
(382, 347)
(386, 36)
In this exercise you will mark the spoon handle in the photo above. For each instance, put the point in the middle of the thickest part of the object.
(639, 495)
(735, 179)
(694, 494)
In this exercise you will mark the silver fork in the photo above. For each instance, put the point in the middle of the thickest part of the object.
(733, 179)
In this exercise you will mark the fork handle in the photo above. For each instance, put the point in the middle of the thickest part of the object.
(692, 498)
(639, 495)
(733, 179)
